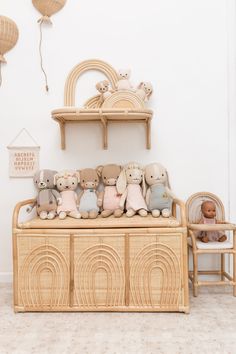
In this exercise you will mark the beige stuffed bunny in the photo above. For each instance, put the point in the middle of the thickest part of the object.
(144, 90)
(128, 185)
(123, 82)
(159, 197)
(67, 182)
(104, 90)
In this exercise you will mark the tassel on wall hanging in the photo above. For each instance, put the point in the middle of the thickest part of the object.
(8, 37)
(47, 8)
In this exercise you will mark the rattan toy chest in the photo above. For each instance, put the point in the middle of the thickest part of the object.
(126, 264)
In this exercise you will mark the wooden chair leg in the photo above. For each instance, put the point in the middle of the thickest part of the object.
(195, 274)
(234, 274)
(222, 256)
(234, 263)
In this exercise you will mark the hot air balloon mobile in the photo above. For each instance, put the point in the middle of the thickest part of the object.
(8, 37)
(47, 8)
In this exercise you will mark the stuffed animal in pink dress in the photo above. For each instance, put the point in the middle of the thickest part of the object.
(67, 182)
(129, 185)
(110, 196)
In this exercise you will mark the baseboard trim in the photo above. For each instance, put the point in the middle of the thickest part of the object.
(6, 277)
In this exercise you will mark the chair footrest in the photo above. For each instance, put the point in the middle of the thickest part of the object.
(209, 283)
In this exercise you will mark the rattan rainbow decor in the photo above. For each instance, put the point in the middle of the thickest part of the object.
(47, 8)
(117, 104)
(8, 38)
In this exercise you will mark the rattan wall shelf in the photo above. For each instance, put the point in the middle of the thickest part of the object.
(121, 106)
(104, 264)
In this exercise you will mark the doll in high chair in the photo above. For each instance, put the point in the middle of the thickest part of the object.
(159, 196)
(129, 185)
(208, 210)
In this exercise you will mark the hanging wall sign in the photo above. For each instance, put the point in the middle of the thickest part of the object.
(23, 160)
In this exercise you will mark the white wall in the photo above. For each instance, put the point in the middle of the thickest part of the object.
(181, 46)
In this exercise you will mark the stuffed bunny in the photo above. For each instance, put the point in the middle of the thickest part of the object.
(103, 88)
(159, 197)
(123, 82)
(128, 185)
(110, 196)
(89, 199)
(67, 182)
(144, 90)
(48, 197)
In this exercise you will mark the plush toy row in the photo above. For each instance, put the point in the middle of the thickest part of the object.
(124, 191)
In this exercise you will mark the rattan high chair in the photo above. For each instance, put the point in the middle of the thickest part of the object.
(193, 211)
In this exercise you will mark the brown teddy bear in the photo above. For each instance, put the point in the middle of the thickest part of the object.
(110, 196)
(89, 199)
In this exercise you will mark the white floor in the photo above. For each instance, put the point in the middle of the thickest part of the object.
(209, 328)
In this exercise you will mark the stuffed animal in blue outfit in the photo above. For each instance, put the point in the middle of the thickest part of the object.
(159, 197)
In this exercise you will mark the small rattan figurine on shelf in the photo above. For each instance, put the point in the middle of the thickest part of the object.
(123, 82)
(104, 90)
(208, 210)
(144, 90)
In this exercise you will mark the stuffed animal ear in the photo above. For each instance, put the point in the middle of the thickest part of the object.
(77, 175)
(140, 85)
(98, 86)
(149, 94)
(144, 185)
(55, 179)
(99, 170)
(121, 182)
(167, 183)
